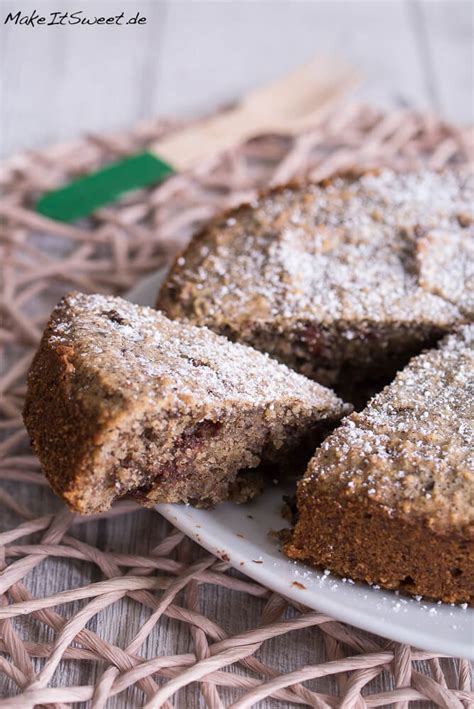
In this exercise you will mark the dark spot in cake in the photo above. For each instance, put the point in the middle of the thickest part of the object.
(194, 438)
(114, 316)
(169, 471)
(310, 335)
(198, 362)
(455, 572)
(407, 581)
(140, 493)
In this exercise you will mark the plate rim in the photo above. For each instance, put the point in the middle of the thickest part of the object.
(424, 638)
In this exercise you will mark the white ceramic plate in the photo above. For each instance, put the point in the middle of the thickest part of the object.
(240, 534)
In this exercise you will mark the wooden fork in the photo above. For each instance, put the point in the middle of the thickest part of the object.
(289, 105)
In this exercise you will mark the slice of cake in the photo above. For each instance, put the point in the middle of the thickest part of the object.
(389, 496)
(343, 281)
(122, 400)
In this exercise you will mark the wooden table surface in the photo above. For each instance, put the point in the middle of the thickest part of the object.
(59, 82)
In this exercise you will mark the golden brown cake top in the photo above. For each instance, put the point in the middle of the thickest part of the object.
(411, 449)
(139, 352)
(379, 247)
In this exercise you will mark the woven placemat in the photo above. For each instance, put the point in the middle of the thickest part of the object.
(39, 261)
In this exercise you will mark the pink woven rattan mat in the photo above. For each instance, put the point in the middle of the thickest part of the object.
(42, 634)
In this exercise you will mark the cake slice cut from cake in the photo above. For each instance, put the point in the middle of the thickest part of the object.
(343, 281)
(389, 496)
(122, 400)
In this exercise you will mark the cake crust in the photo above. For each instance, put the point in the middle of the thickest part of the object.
(343, 280)
(389, 496)
(122, 400)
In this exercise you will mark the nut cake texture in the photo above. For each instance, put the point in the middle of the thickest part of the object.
(343, 280)
(389, 496)
(122, 400)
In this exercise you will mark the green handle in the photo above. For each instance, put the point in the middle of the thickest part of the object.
(86, 194)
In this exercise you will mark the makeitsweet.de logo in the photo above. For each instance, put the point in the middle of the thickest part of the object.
(78, 17)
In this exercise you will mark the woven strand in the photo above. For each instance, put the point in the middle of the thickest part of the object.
(41, 259)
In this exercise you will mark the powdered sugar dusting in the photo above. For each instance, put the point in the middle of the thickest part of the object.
(143, 353)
